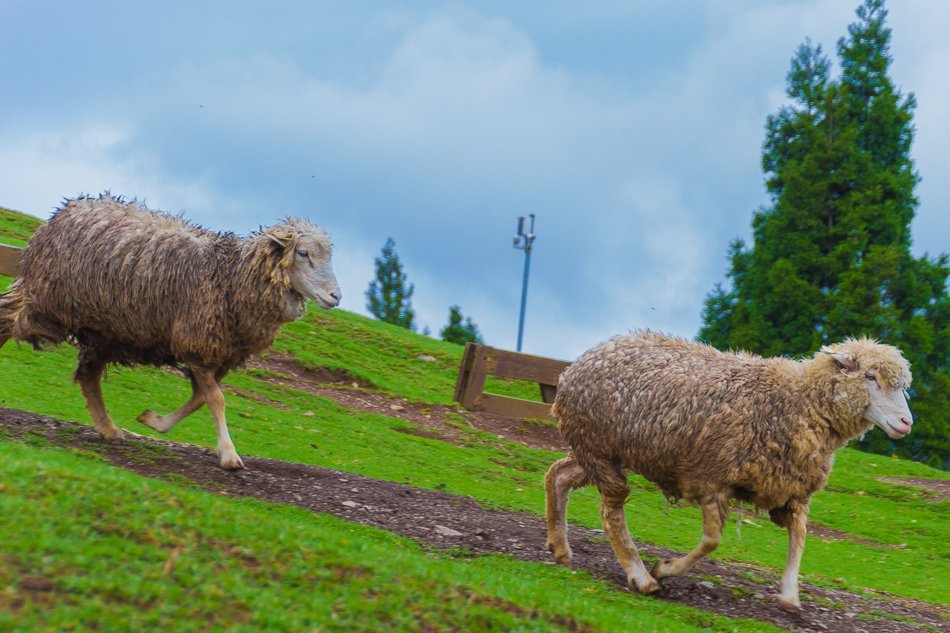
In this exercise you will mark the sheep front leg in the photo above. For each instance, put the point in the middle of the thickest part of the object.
(211, 393)
(714, 509)
(797, 528)
(615, 525)
(563, 476)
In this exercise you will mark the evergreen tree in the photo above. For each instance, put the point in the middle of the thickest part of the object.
(457, 332)
(831, 253)
(389, 297)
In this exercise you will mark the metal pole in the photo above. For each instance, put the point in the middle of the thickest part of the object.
(524, 294)
(526, 247)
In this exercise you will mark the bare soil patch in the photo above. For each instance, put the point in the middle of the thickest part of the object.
(286, 365)
(935, 489)
(441, 520)
(827, 533)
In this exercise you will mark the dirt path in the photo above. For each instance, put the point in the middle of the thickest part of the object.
(440, 520)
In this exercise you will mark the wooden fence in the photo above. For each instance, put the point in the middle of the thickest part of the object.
(481, 361)
(9, 256)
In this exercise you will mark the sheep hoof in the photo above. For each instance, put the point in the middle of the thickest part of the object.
(232, 462)
(560, 557)
(149, 418)
(647, 588)
(790, 606)
(661, 569)
(115, 434)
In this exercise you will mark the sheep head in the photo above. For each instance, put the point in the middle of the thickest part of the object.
(304, 265)
(877, 376)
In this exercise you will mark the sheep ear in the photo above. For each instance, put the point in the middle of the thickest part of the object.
(844, 360)
(282, 239)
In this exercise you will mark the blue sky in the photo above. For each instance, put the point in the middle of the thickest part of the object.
(633, 131)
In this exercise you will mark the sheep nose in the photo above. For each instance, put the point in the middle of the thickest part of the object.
(907, 421)
(337, 295)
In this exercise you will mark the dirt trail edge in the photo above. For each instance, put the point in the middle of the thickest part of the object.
(441, 520)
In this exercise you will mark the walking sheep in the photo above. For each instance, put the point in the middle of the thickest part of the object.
(133, 286)
(709, 426)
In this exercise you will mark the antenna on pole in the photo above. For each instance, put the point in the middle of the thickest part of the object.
(523, 241)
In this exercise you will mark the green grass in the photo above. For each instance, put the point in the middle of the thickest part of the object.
(16, 227)
(112, 551)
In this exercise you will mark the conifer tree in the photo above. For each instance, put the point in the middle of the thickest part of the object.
(458, 332)
(831, 253)
(389, 297)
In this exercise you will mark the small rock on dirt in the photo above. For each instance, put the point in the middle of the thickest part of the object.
(397, 407)
(445, 531)
(351, 504)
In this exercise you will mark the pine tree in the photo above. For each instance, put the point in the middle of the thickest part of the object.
(388, 298)
(831, 254)
(457, 332)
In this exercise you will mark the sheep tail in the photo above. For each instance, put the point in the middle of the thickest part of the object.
(11, 303)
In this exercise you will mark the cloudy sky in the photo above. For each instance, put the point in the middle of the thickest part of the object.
(633, 131)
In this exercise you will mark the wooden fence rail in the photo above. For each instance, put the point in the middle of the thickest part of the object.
(481, 361)
(9, 256)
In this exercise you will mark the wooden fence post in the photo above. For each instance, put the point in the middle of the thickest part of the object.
(472, 383)
(9, 258)
(480, 361)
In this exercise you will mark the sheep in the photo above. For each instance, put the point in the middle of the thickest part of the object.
(129, 285)
(709, 426)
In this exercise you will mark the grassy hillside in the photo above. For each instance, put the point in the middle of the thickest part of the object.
(16, 227)
(901, 538)
(384, 355)
(138, 554)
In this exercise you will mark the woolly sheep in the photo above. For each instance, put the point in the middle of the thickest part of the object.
(133, 286)
(709, 426)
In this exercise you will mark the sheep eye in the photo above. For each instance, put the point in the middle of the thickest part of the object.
(870, 376)
(303, 252)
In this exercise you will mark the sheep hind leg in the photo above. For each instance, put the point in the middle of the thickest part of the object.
(211, 393)
(714, 515)
(563, 476)
(89, 376)
(615, 525)
(164, 423)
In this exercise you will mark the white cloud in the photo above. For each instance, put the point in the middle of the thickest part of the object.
(41, 169)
